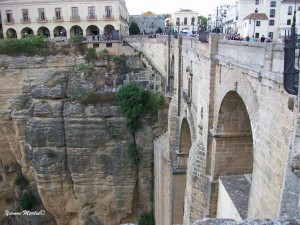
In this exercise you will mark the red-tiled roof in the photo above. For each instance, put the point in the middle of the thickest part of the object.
(256, 16)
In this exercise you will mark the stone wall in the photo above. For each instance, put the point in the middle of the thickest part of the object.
(207, 77)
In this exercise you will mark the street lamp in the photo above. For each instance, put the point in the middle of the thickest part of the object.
(193, 22)
(152, 26)
(291, 68)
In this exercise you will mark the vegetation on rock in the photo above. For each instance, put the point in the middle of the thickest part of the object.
(147, 219)
(27, 201)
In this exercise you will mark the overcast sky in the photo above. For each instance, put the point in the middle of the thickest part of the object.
(203, 7)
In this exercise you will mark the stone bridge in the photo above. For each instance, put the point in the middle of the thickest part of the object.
(233, 131)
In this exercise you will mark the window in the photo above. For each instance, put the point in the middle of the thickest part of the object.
(177, 21)
(9, 16)
(255, 11)
(75, 13)
(272, 12)
(95, 45)
(270, 35)
(271, 22)
(25, 15)
(91, 12)
(108, 45)
(193, 21)
(288, 22)
(185, 21)
(256, 2)
(58, 14)
(290, 10)
(41, 12)
(108, 11)
(273, 4)
(256, 35)
(257, 23)
(249, 21)
(298, 8)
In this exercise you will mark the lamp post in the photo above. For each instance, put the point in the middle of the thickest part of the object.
(291, 68)
(152, 26)
(193, 22)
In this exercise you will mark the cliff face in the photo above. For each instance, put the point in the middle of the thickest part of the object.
(76, 154)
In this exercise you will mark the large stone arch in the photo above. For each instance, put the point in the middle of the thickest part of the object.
(11, 33)
(76, 30)
(92, 30)
(232, 150)
(108, 29)
(44, 31)
(234, 131)
(26, 31)
(60, 31)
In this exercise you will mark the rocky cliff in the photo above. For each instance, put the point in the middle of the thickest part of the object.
(61, 124)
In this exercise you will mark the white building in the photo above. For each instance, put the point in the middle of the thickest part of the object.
(185, 19)
(261, 17)
(217, 18)
(63, 19)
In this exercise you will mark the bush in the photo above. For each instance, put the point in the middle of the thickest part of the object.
(76, 38)
(131, 100)
(91, 55)
(21, 180)
(89, 97)
(30, 45)
(103, 54)
(121, 66)
(27, 201)
(159, 30)
(134, 28)
(146, 219)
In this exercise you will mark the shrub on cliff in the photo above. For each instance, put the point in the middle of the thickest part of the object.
(27, 201)
(91, 55)
(131, 100)
(30, 45)
(146, 219)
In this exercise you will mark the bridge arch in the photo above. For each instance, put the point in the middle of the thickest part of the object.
(179, 172)
(232, 148)
(233, 135)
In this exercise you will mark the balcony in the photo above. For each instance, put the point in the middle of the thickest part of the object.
(10, 21)
(91, 17)
(58, 19)
(25, 20)
(41, 19)
(108, 17)
(75, 18)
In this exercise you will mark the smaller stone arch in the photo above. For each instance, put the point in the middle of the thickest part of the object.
(26, 31)
(60, 31)
(44, 31)
(185, 137)
(108, 29)
(76, 30)
(11, 33)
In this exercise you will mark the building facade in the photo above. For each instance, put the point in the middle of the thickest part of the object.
(56, 19)
(185, 19)
(245, 17)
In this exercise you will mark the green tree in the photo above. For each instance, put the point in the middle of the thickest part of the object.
(167, 15)
(203, 21)
(159, 30)
(131, 100)
(134, 28)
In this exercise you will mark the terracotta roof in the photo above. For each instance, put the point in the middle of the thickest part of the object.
(256, 16)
